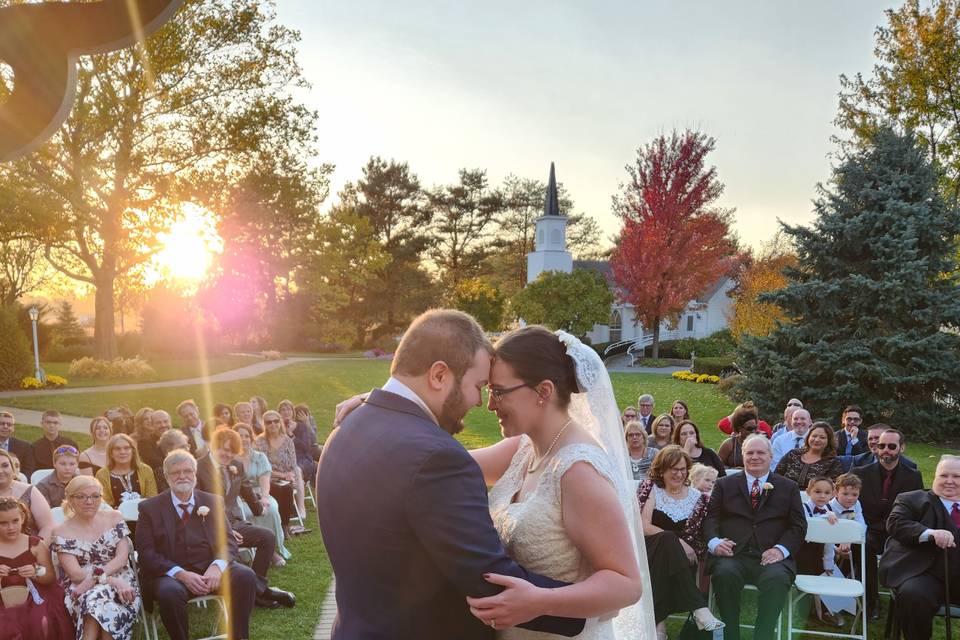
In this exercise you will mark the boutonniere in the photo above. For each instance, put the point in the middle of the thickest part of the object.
(767, 486)
(233, 470)
(203, 511)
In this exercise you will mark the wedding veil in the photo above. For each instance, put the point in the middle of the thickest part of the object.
(595, 408)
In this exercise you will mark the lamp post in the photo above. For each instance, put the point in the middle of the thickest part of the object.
(38, 372)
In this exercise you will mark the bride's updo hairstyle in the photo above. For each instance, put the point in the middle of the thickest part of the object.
(535, 354)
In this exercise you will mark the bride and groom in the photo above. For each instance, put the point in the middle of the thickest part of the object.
(417, 549)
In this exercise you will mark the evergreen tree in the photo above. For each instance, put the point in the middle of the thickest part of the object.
(873, 307)
(14, 351)
(69, 330)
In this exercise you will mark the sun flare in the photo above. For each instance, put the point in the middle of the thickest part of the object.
(188, 248)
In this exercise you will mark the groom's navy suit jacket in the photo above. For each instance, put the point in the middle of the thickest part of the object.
(404, 516)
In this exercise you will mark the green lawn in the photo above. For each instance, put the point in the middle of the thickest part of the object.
(164, 370)
(321, 385)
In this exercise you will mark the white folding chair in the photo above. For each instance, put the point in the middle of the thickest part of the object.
(39, 475)
(819, 530)
(309, 496)
(130, 510)
(58, 515)
(732, 471)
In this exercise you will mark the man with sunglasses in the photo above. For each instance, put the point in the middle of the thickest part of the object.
(883, 481)
(50, 441)
(16, 446)
(870, 456)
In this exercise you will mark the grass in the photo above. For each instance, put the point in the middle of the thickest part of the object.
(322, 385)
(164, 370)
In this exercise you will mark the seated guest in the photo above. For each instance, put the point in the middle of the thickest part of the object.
(923, 525)
(50, 440)
(662, 432)
(20, 448)
(125, 477)
(170, 440)
(645, 403)
(703, 478)
(160, 423)
(40, 522)
(94, 457)
(223, 413)
(785, 425)
(686, 435)
(260, 407)
(279, 449)
(672, 514)
(16, 470)
(121, 419)
(146, 438)
(744, 421)
(817, 457)
(257, 469)
(64, 470)
(641, 456)
(219, 472)
(754, 527)
(679, 411)
(301, 413)
(32, 600)
(800, 423)
(726, 423)
(304, 438)
(629, 415)
(243, 414)
(191, 426)
(181, 556)
(846, 506)
(103, 595)
(849, 439)
(863, 459)
(817, 558)
(882, 481)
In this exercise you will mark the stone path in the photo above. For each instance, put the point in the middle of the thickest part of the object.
(328, 611)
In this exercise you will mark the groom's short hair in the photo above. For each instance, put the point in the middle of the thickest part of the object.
(446, 335)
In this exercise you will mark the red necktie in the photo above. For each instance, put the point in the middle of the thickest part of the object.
(185, 507)
(955, 514)
(755, 493)
(885, 491)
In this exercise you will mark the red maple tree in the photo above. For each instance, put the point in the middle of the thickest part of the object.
(675, 242)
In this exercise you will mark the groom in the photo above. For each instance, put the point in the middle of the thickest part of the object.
(402, 505)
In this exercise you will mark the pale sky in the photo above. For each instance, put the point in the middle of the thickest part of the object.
(512, 86)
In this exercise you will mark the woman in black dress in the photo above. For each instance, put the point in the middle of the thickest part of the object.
(743, 421)
(686, 435)
(672, 514)
(817, 457)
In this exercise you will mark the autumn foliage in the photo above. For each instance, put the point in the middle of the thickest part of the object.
(674, 242)
(762, 274)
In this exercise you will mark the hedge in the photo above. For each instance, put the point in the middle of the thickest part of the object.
(713, 366)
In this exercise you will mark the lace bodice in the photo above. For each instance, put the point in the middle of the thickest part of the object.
(676, 510)
(532, 529)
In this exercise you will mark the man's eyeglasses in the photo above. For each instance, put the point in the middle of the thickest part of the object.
(888, 445)
(59, 451)
(497, 394)
(81, 497)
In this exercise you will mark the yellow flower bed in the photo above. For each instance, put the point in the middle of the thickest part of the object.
(53, 382)
(701, 378)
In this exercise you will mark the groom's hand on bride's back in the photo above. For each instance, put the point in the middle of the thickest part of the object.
(519, 602)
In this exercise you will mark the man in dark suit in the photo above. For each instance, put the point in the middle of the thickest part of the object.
(645, 404)
(850, 440)
(180, 553)
(922, 526)
(219, 473)
(50, 441)
(402, 505)
(16, 446)
(882, 482)
(870, 456)
(755, 525)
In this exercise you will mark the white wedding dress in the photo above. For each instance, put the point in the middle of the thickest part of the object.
(532, 530)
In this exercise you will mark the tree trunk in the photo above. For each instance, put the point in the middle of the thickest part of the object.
(104, 337)
(656, 338)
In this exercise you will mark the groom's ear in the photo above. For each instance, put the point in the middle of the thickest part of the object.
(438, 375)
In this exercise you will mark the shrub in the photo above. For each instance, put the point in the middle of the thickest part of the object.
(718, 344)
(56, 382)
(53, 382)
(61, 352)
(653, 362)
(15, 356)
(129, 345)
(272, 355)
(116, 368)
(732, 387)
(713, 366)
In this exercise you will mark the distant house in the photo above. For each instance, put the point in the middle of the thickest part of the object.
(705, 315)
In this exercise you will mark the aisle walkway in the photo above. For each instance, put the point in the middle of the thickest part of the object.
(328, 611)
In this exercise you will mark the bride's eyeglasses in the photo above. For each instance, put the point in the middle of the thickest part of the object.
(497, 393)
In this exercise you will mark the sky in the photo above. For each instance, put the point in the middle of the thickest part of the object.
(512, 86)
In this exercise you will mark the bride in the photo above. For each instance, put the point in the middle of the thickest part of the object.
(563, 497)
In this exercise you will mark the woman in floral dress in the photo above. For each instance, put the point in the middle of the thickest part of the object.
(282, 454)
(102, 593)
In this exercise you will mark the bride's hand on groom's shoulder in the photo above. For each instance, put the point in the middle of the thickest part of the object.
(344, 408)
(519, 602)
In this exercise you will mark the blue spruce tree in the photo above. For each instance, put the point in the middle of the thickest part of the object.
(873, 306)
